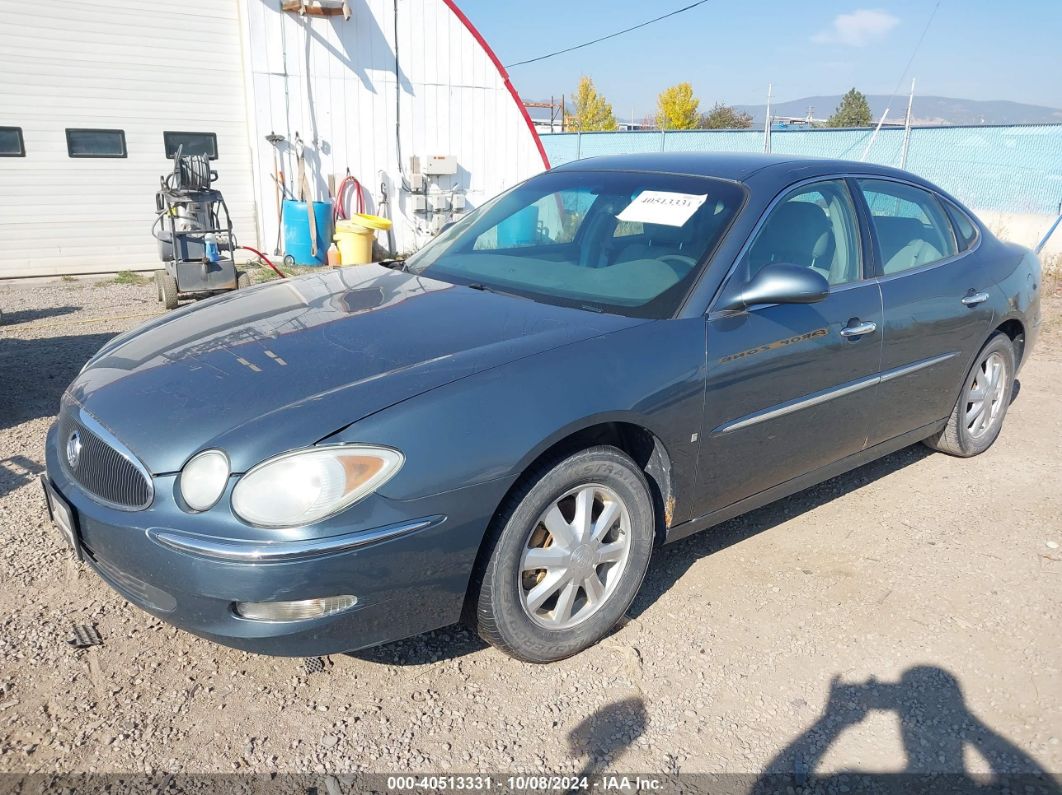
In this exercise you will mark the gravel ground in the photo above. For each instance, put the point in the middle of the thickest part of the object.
(903, 616)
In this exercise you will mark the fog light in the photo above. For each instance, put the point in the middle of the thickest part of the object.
(295, 611)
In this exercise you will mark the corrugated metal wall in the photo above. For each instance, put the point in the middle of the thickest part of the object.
(199, 65)
(137, 65)
(453, 101)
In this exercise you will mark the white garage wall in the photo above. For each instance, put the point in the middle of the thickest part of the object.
(138, 65)
(454, 101)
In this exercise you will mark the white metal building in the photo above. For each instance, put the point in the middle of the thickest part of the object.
(93, 93)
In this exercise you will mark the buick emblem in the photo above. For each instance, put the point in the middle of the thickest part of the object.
(73, 449)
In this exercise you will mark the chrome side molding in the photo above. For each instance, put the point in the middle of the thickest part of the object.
(829, 394)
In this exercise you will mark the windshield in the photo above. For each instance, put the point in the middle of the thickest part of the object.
(628, 243)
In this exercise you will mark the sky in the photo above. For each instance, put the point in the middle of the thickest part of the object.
(730, 51)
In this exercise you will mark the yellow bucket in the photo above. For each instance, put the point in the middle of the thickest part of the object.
(354, 237)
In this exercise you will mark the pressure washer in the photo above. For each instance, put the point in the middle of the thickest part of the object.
(194, 231)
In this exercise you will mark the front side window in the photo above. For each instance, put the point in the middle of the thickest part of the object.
(911, 225)
(95, 143)
(815, 227)
(629, 243)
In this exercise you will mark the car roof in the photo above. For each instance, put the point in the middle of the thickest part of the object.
(737, 166)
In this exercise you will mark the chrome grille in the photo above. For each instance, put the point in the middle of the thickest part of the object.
(112, 475)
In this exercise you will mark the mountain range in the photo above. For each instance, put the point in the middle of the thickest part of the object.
(926, 110)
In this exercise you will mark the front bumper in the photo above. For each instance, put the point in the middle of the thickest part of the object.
(408, 562)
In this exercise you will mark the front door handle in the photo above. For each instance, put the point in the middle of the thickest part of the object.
(973, 299)
(859, 330)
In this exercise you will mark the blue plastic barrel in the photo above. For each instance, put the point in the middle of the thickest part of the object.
(297, 231)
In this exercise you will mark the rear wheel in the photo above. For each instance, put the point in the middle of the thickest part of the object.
(571, 554)
(977, 418)
(243, 280)
(169, 291)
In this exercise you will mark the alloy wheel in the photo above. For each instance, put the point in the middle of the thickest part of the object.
(575, 556)
(985, 396)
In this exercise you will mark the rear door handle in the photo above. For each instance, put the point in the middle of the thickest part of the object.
(973, 299)
(859, 329)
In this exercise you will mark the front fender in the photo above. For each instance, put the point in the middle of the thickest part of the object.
(491, 426)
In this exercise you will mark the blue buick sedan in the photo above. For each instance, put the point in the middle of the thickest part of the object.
(501, 429)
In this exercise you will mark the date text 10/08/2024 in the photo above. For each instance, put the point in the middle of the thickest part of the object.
(531, 782)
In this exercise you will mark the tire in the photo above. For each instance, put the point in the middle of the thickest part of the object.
(974, 425)
(169, 291)
(243, 280)
(562, 617)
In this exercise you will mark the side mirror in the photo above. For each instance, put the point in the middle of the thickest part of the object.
(777, 283)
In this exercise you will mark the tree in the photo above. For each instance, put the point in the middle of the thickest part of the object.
(591, 111)
(677, 108)
(724, 117)
(854, 111)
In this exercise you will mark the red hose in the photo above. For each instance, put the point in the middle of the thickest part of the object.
(266, 260)
(339, 210)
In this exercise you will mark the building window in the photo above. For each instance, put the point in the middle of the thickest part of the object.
(95, 143)
(191, 143)
(11, 143)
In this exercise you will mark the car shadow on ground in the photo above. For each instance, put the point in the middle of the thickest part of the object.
(34, 373)
(671, 562)
(441, 644)
(12, 318)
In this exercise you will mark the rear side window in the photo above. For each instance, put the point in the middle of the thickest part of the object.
(11, 143)
(965, 228)
(912, 228)
(95, 143)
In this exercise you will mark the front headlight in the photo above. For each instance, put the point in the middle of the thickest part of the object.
(308, 485)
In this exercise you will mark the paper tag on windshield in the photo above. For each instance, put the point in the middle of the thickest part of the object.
(662, 207)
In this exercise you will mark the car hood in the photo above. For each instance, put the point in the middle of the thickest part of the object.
(283, 365)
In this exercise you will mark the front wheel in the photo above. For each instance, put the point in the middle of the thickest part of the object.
(573, 548)
(977, 418)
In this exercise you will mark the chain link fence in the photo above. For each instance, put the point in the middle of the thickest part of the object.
(1012, 173)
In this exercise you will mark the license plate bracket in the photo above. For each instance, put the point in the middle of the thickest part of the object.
(63, 517)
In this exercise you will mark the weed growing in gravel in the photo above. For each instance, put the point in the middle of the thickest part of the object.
(260, 273)
(129, 277)
(66, 277)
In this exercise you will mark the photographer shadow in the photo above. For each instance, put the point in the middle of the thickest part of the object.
(604, 735)
(935, 727)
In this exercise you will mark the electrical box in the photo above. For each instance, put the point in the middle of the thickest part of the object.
(419, 202)
(438, 222)
(439, 202)
(416, 183)
(440, 165)
(457, 202)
